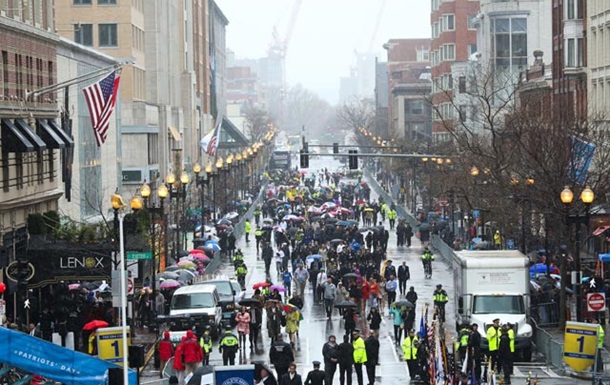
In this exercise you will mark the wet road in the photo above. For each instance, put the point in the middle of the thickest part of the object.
(315, 328)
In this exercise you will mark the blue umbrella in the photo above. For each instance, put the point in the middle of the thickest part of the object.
(540, 268)
(344, 223)
(212, 246)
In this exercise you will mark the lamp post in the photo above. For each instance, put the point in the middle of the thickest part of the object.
(118, 205)
(162, 193)
(177, 192)
(567, 196)
(219, 165)
(202, 181)
(227, 169)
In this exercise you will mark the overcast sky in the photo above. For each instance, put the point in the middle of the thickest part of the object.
(325, 35)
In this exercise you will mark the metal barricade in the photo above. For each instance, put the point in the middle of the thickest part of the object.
(547, 345)
(400, 210)
(546, 314)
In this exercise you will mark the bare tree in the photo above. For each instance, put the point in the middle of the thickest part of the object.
(306, 109)
(257, 123)
(357, 113)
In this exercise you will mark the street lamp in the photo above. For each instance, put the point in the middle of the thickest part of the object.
(567, 196)
(219, 165)
(202, 181)
(162, 193)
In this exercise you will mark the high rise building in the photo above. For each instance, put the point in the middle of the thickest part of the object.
(454, 39)
(598, 56)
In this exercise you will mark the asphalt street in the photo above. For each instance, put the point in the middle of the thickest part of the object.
(315, 328)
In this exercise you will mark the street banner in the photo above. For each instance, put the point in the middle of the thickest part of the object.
(581, 157)
(66, 366)
(580, 345)
(235, 375)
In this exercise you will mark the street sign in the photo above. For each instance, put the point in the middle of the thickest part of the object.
(596, 301)
(443, 201)
(476, 214)
(510, 244)
(12, 272)
(129, 286)
(110, 344)
(139, 255)
(580, 345)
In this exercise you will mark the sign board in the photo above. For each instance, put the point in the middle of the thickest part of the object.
(580, 345)
(443, 201)
(110, 344)
(234, 375)
(476, 214)
(132, 176)
(596, 301)
(510, 244)
(12, 272)
(139, 255)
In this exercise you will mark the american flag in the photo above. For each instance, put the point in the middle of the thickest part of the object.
(101, 99)
(209, 143)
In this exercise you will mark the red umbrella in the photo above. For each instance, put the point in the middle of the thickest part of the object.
(196, 251)
(258, 285)
(95, 324)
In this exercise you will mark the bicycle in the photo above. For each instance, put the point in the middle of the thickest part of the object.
(440, 313)
(428, 269)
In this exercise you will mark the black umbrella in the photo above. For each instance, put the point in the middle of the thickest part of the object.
(258, 368)
(224, 221)
(199, 373)
(424, 227)
(350, 275)
(346, 304)
(403, 303)
(250, 302)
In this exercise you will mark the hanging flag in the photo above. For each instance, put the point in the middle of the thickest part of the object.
(101, 99)
(209, 143)
(431, 354)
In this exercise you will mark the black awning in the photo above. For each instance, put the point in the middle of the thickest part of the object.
(62, 134)
(13, 140)
(26, 130)
(50, 137)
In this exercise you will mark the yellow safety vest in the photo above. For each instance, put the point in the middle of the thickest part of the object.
(409, 348)
(600, 336)
(493, 338)
(359, 351)
(229, 340)
(511, 336)
(206, 346)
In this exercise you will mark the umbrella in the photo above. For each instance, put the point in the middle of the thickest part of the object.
(328, 205)
(74, 286)
(187, 265)
(403, 303)
(95, 324)
(290, 307)
(289, 217)
(314, 257)
(424, 227)
(350, 275)
(184, 262)
(360, 202)
(342, 210)
(210, 241)
(202, 257)
(344, 223)
(258, 368)
(232, 215)
(250, 302)
(225, 222)
(258, 285)
(172, 268)
(368, 210)
(202, 375)
(196, 251)
(212, 247)
(186, 275)
(335, 242)
(169, 275)
(268, 221)
(540, 268)
(346, 304)
(278, 288)
(93, 285)
(169, 284)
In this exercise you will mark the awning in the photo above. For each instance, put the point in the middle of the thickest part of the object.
(174, 133)
(26, 130)
(13, 140)
(50, 137)
(62, 134)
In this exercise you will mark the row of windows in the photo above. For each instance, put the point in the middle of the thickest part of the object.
(436, 3)
(446, 52)
(139, 83)
(107, 35)
(444, 111)
(573, 9)
(90, 2)
(137, 38)
(509, 42)
(30, 72)
(574, 52)
(599, 40)
(445, 83)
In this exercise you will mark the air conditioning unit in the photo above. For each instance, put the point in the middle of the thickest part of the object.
(2, 13)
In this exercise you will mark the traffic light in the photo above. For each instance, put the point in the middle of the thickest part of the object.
(335, 148)
(306, 147)
(304, 159)
(353, 159)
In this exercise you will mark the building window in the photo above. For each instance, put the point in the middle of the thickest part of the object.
(417, 107)
(472, 49)
(108, 35)
(462, 84)
(509, 43)
(574, 9)
(82, 2)
(449, 22)
(106, 2)
(471, 21)
(423, 55)
(447, 52)
(83, 34)
(574, 52)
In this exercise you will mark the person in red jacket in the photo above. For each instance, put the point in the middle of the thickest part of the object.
(366, 292)
(166, 351)
(193, 354)
(178, 361)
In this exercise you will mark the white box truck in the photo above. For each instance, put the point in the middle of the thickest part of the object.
(492, 284)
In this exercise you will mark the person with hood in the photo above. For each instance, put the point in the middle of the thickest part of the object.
(193, 354)
(166, 351)
(179, 367)
(372, 356)
(360, 357)
(330, 351)
(345, 356)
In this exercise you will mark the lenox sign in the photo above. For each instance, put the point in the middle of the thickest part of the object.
(81, 262)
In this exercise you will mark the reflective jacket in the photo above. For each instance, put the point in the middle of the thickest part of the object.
(511, 336)
(359, 351)
(247, 227)
(228, 342)
(463, 338)
(440, 296)
(241, 270)
(600, 336)
(427, 256)
(206, 343)
(493, 338)
(409, 348)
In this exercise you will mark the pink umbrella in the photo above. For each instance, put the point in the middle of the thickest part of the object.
(74, 286)
(169, 284)
(196, 251)
(201, 257)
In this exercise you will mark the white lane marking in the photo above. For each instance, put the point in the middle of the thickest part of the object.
(393, 348)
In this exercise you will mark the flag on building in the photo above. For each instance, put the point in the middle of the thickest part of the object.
(101, 99)
(209, 143)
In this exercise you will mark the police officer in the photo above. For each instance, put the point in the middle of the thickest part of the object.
(493, 340)
(511, 337)
(281, 355)
(505, 357)
(426, 258)
(257, 214)
(206, 344)
(409, 351)
(316, 376)
(440, 298)
(462, 343)
(228, 346)
(258, 236)
(474, 351)
(360, 357)
(238, 257)
(241, 273)
(247, 230)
